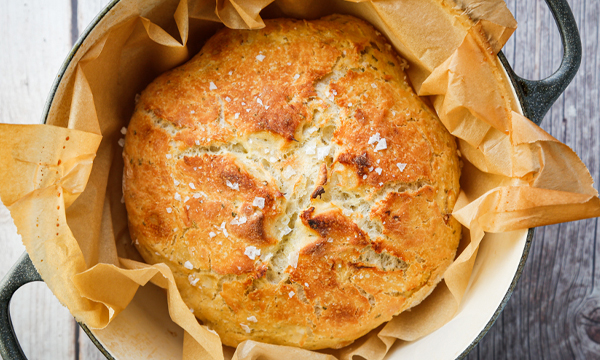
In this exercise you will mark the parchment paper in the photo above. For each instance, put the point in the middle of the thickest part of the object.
(69, 212)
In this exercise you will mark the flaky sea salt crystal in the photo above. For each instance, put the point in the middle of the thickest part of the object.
(288, 172)
(252, 252)
(212, 86)
(260, 57)
(322, 152)
(123, 130)
(188, 265)
(252, 318)
(378, 171)
(259, 202)
(234, 186)
(246, 328)
(169, 210)
(375, 138)
(381, 145)
(401, 166)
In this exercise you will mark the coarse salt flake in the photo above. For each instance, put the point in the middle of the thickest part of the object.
(121, 142)
(258, 100)
(212, 86)
(378, 171)
(287, 230)
(227, 98)
(291, 294)
(349, 104)
(193, 280)
(188, 265)
(322, 152)
(311, 130)
(239, 221)
(224, 230)
(252, 252)
(374, 86)
(230, 73)
(175, 182)
(234, 186)
(364, 177)
(252, 318)
(123, 130)
(260, 57)
(401, 166)
(246, 328)
(296, 77)
(212, 234)
(236, 115)
(192, 185)
(293, 259)
(259, 202)
(381, 145)
(177, 197)
(375, 138)
(169, 210)
(288, 172)
(197, 142)
(186, 199)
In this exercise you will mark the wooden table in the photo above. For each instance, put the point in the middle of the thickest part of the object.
(554, 312)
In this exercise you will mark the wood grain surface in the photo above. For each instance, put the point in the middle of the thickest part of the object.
(554, 312)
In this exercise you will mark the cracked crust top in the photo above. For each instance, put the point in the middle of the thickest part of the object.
(293, 182)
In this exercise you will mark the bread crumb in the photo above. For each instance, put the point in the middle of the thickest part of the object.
(188, 265)
(212, 86)
(286, 230)
(259, 202)
(224, 230)
(311, 148)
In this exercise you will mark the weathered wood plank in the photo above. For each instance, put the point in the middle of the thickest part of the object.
(36, 37)
(554, 312)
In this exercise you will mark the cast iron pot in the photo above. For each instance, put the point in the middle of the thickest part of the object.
(535, 98)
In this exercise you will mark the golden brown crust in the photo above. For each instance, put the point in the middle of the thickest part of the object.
(294, 183)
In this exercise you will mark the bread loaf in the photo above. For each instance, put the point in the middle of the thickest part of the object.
(294, 183)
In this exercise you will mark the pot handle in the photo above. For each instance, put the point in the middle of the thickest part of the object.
(536, 97)
(21, 273)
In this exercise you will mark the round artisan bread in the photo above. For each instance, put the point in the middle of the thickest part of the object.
(293, 182)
